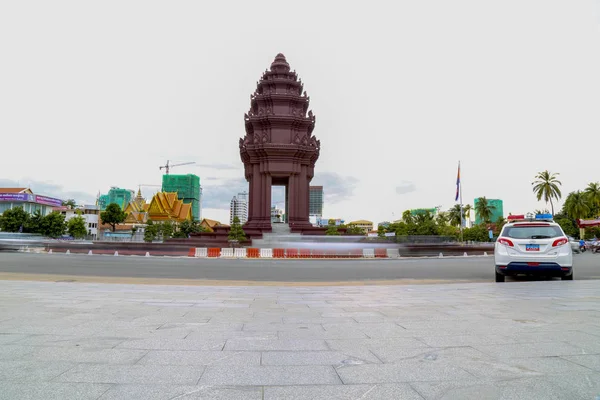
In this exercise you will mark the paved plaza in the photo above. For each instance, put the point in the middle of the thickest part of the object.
(518, 340)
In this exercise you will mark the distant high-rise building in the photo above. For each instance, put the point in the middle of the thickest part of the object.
(188, 190)
(239, 208)
(315, 201)
(122, 197)
(497, 210)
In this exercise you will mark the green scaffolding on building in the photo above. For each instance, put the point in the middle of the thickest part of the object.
(188, 190)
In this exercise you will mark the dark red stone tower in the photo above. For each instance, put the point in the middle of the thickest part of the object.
(279, 148)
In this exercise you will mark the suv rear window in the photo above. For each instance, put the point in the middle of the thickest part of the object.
(532, 232)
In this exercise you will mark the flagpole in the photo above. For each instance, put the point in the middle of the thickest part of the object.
(461, 205)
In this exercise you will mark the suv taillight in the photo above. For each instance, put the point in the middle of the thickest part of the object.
(506, 242)
(560, 242)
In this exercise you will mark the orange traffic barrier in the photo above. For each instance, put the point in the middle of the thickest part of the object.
(331, 254)
(304, 253)
(214, 252)
(356, 253)
(291, 253)
(192, 252)
(318, 253)
(253, 253)
(278, 253)
(381, 253)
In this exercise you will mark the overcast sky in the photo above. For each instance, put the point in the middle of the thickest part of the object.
(99, 94)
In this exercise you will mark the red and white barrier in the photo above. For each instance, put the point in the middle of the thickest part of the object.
(292, 253)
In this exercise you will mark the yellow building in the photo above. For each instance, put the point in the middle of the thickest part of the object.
(164, 206)
(209, 224)
(366, 226)
(137, 210)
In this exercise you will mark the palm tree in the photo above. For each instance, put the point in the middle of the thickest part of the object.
(442, 218)
(467, 211)
(577, 205)
(484, 209)
(592, 192)
(454, 215)
(546, 186)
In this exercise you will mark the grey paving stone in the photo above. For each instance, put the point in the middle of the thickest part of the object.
(451, 354)
(225, 335)
(405, 371)
(172, 344)
(32, 370)
(336, 358)
(275, 345)
(329, 334)
(269, 375)
(8, 338)
(465, 340)
(51, 391)
(14, 352)
(580, 386)
(591, 361)
(516, 389)
(342, 392)
(544, 349)
(147, 374)
(172, 392)
(188, 357)
(70, 341)
(84, 355)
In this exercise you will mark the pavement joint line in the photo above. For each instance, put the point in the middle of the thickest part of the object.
(42, 277)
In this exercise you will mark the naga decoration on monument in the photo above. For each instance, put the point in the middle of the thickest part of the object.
(279, 148)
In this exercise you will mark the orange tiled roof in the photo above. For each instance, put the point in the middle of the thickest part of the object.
(165, 206)
(12, 190)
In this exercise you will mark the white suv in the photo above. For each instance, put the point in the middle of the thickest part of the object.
(533, 246)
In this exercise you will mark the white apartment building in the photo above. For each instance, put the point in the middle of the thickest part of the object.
(239, 208)
(90, 213)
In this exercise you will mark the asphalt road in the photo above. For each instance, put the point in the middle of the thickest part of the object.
(587, 266)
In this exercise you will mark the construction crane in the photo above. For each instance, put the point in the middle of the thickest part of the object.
(167, 166)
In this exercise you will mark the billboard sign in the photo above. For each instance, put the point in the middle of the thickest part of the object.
(48, 201)
(16, 197)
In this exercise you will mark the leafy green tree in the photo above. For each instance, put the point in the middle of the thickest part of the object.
(113, 215)
(151, 231)
(546, 186)
(498, 225)
(332, 230)
(576, 205)
(592, 192)
(449, 231)
(236, 232)
(70, 202)
(454, 215)
(568, 225)
(467, 208)
(76, 227)
(14, 220)
(381, 231)
(53, 225)
(188, 227)
(442, 218)
(167, 229)
(354, 230)
(407, 217)
(35, 222)
(484, 209)
(478, 233)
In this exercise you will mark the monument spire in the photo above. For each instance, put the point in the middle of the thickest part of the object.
(279, 148)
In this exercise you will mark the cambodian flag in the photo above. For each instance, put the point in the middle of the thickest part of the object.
(457, 183)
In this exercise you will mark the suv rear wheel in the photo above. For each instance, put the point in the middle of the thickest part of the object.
(500, 277)
(567, 278)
